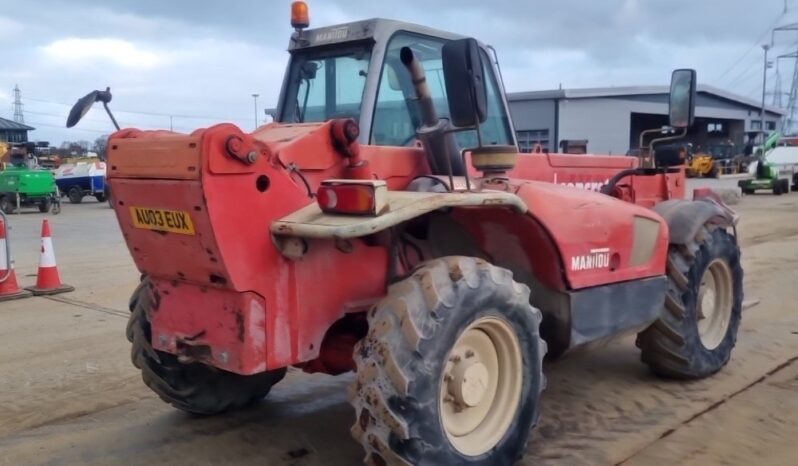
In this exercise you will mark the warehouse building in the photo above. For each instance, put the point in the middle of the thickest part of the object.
(11, 131)
(611, 118)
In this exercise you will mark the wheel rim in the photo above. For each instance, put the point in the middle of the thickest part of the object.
(481, 386)
(715, 298)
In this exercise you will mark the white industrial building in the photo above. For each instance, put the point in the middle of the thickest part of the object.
(611, 118)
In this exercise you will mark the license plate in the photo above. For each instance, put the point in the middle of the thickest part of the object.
(173, 221)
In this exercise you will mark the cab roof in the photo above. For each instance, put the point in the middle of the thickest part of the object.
(369, 30)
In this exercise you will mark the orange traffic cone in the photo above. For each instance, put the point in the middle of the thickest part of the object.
(47, 279)
(9, 289)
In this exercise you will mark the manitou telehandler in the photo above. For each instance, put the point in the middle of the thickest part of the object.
(386, 224)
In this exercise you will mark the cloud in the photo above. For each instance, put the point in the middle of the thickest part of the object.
(10, 27)
(204, 58)
(93, 52)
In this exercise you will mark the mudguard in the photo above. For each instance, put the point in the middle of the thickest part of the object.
(685, 217)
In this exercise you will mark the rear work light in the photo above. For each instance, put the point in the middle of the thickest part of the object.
(354, 197)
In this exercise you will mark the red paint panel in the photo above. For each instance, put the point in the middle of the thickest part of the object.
(325, 285)
(581, 222)
(175, 156)
(514, 242)
(231, 325)
(169, 255)
(396, 165)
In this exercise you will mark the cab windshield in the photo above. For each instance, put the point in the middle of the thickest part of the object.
(396, 114)
(329, 83)
(326, 85)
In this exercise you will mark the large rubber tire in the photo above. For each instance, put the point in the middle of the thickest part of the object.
(44, 206)
(7, 204)
(397, 394)
(75, 195)
(713, 171)
(785, 186)
(194, 387)
(673, 346)
(100, 197)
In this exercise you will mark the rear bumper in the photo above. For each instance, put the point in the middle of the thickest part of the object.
(222, 328)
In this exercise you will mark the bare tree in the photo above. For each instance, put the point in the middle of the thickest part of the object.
(100, 146)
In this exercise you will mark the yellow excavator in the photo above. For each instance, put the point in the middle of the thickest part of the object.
(701, 164)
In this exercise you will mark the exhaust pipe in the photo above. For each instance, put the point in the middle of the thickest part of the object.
(438, 141)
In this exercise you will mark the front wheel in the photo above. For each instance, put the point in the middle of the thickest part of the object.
(695, 335)
(75, 195)
(193, 387)
(451, 370)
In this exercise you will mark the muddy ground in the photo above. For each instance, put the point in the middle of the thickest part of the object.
(69, 395)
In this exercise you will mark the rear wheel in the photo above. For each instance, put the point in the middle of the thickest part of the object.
(698, 328)
(193, 387)
(451, 370)
(100, 197)
(7, 204)
(713, 171)
(777, 186)
(75, 195)
(44, 206)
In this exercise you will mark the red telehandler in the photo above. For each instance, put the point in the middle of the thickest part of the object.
(385, 223)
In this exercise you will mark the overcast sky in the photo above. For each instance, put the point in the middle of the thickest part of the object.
(205, 58)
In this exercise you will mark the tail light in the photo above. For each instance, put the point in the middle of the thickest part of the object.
(354, 197)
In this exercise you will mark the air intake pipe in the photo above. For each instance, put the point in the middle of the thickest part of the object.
(435, 134)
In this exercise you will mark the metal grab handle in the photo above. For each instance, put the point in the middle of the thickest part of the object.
(7, 274)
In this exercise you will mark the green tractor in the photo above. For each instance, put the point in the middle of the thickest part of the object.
(24, 184)
(767, 176)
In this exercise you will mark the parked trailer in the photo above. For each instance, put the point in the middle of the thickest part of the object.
(82, 179)
(24, 185)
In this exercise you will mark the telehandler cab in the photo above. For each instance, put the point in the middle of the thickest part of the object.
(386, 224)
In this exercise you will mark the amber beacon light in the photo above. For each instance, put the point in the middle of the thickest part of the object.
(300, 17)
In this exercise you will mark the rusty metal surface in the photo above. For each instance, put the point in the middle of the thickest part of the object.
(311, 222)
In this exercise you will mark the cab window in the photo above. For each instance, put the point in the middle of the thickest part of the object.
(396, 114)
(326, 85)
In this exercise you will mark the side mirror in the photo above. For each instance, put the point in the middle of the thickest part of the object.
(681, 108)
(83, 105)
(466, 91)
(308, 70)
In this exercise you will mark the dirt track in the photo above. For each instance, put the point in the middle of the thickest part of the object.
(69, 395)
